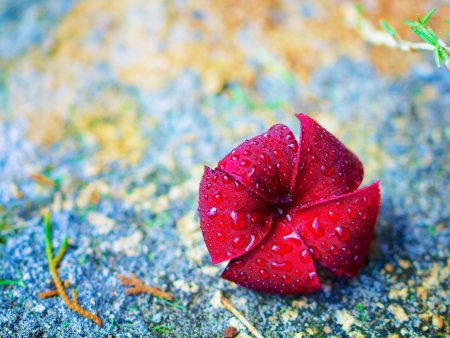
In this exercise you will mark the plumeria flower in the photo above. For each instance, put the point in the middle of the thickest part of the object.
(275, 208)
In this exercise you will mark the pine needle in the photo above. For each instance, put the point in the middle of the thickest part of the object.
(138, 287)
(52, 265)
(230, 307)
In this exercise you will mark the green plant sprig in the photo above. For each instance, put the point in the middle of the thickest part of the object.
(390, 38)
(440, 49)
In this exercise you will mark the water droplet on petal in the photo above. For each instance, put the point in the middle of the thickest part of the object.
(247, 152)
(327, 171)
(226, 179)
(345, 251)
(286, 279)
(260, 262)
(220, 236)
(252, 242)
(264, 157)
(239, 222)
(342, 233)
(239, 263)
(263, 273)
(218, 197)
(317, 230)
(285, 266)
(251, 173)
(281, 249)
(239, 241)
(245, 163)
(304, 254)
(315, 253)
(212, 212)
(333, 216)
(334, 250)
(351, 213)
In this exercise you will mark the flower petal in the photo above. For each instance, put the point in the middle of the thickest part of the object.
(325, 166)
(265, 163)
(339, 231)
(280, 264)
(232, 219)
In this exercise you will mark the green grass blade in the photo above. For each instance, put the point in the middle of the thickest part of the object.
(387, 27)
(48, 237)
(437, 57)
(428, 16)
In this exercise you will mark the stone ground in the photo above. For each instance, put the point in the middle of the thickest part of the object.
(108, 114)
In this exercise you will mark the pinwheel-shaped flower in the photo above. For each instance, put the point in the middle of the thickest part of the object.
(274, 207)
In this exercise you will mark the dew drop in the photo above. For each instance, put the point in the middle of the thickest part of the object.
(315, 253)
(212, 212)
(327, 171)
(220, 236)
(264, 274)
(342, 233)
(317, 230)
(264, 157)
(286, 278)
(277, 154)
(281, 249)
(239, 241)
(239, 222)
(247, 152)
(218, 197)
(324, 244)
(238, 263)
(208, 186)
(245, 163)
(260, 262)
(251, 173)
(333, 216)
(345, 251)
(351, 213)
(312, 275)
(226, 179)
(334, 250)
(293, 146)
(304, 254)
(252, 242)
(285, 266)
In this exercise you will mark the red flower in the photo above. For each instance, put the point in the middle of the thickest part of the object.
(275, 208)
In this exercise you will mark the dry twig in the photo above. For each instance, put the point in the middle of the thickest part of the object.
(230, 307)
(52, 265)
(138, 287)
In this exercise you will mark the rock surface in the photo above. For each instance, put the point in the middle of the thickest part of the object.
(110, 129)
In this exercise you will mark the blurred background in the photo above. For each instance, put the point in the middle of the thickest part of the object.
(110, 109)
